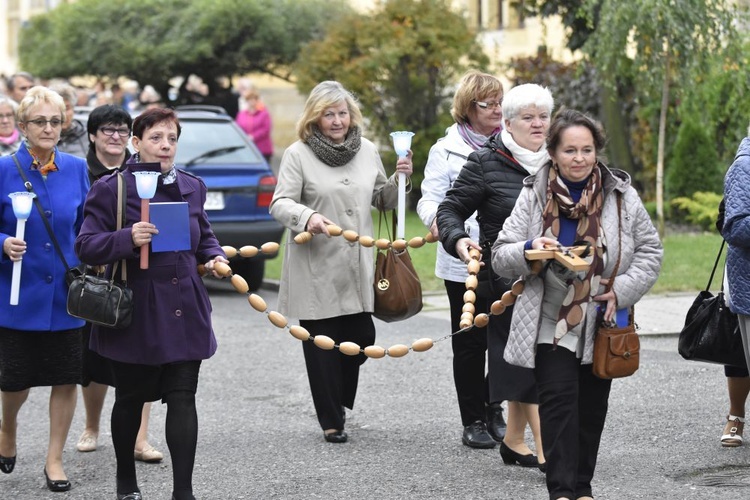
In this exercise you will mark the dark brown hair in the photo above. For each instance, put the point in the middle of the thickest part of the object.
(566, 118)
(151, 117)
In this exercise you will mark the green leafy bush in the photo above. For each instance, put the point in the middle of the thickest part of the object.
(700, 209)
(694, 165)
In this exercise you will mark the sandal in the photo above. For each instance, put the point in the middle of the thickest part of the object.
(732, 436)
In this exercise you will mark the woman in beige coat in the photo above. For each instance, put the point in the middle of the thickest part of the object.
(332, 175)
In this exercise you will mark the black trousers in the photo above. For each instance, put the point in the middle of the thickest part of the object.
(469, 350)
(572, 408)
(334, 376)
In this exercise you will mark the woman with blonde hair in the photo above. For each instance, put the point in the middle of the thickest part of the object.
(40, 344)
(483, 423)
(489, 184)
(10, 136)
(331, 175)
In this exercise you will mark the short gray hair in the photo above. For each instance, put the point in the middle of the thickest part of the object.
(525, 95)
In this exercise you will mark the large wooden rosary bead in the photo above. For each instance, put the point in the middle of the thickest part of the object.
(269, 248)
(324, 342)
(472, 282)
(518, 287)
(468, 308)
(508, 299)
(497, 307)
(475, 254)
(366, 241)
(383, 244)
(349, 348)
(257, 302)
(222, 269)
(230, 252)
(277, 319)
(429, 238)
(481, 320)
(399, 245)
(334, 230)
(248, 251)
(299, 332)
(470, 296)
(422, 345)
(350, 235)
(398, 351)
(416, 242)
(374, 351)
(473, 267)
(303, 237)
(239, 283)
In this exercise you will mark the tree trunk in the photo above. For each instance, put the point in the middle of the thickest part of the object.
(660, 148)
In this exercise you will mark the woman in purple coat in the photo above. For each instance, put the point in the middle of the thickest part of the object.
(159, 355)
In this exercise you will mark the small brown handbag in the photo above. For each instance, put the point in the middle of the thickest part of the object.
(398, 291)
(616, 349)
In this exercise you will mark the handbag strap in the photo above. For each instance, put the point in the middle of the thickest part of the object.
(120, 216)
(716, 264)
(611, 282)
(38, 206)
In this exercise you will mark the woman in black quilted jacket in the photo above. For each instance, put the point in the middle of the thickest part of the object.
(490, 183)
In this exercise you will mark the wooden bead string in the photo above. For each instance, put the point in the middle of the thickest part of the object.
(351, 348)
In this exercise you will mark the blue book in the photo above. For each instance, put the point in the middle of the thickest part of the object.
(173, 222)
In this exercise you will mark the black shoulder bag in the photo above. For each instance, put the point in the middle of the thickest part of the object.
(92, 297)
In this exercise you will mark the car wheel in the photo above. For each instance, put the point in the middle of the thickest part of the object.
(252, 270)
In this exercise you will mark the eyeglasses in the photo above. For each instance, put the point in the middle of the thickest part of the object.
(39, 122)
(9, 116)
(109, 131)
(488, 105)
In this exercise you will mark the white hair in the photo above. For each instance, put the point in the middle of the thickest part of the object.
(525, 95)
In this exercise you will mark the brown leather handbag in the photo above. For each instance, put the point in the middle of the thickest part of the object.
(616, 349)
(398, 291)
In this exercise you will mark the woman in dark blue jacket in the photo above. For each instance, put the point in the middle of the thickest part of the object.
(159, 355)
(40, 344)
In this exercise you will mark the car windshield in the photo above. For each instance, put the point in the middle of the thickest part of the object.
(213, 142)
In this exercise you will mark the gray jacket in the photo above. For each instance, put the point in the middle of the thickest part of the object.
(639, 266)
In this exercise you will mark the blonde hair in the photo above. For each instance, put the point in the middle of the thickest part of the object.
(323, 96)
(39, 95)
(474, 86)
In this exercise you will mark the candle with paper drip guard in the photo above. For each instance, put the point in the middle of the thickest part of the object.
(22, 202)
(145, 183)
(402, 144)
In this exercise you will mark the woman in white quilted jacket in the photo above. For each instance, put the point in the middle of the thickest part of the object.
(573, 198)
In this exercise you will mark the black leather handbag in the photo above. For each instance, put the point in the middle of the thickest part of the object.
(711, 332)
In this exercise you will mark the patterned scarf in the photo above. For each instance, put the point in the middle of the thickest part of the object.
(332, 154)
(588, 213)
(37, 163)
(474, 139)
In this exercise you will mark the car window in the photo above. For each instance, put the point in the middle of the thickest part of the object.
(200, 137)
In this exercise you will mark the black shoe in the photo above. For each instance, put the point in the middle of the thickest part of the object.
(7, 464)
(495, 422)
(56, 484)
(336, 437)
(476, 436)
(543, 467)
(133, 495)
(510, 457)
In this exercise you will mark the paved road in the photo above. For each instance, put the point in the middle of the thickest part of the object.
(259, 438)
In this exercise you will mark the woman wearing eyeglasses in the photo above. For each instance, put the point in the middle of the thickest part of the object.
(10, 136)
(40, 344)
(489, 184)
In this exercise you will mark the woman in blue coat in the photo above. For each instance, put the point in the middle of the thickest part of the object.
(40, 344)
(159, 355)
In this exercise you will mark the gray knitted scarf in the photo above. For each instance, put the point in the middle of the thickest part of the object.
(332, 154)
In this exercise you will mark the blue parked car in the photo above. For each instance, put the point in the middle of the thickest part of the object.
(239, 180)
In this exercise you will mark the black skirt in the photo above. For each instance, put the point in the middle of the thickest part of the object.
(39, 359)
(96, 368)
